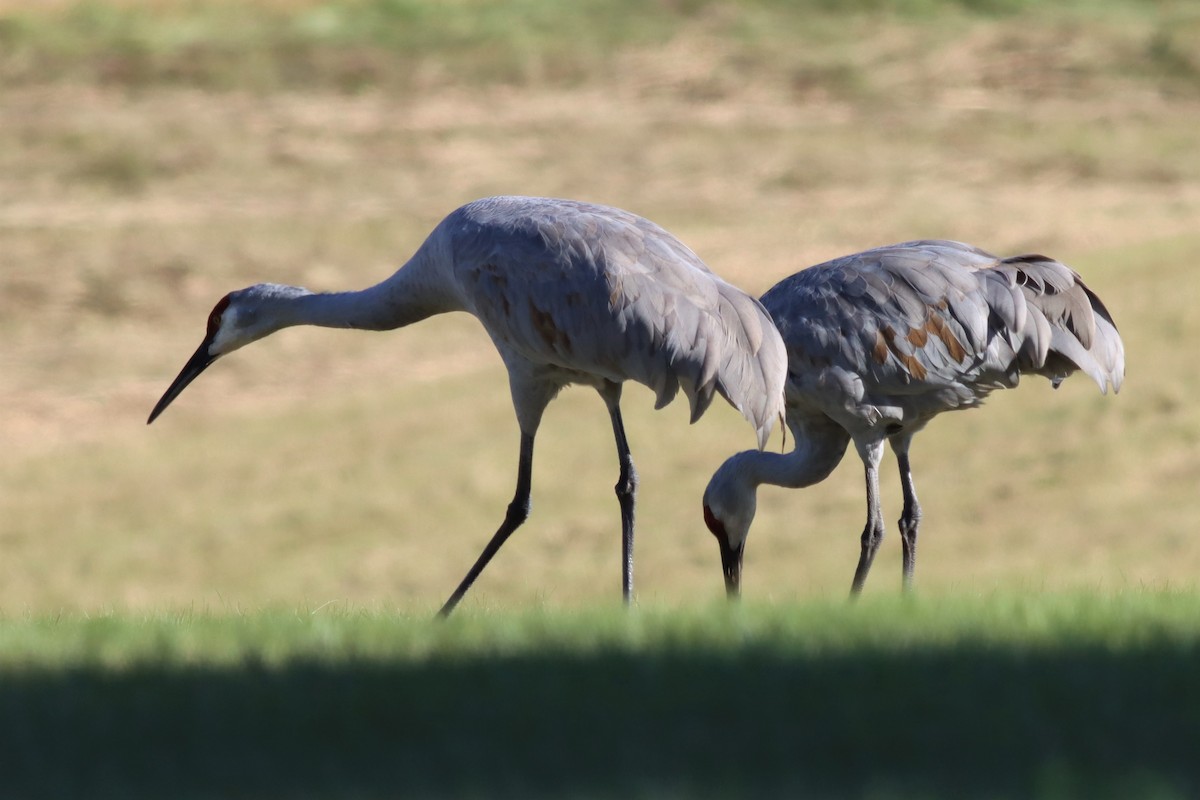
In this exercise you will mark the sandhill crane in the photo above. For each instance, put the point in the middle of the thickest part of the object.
(881, 342)
(569, 292)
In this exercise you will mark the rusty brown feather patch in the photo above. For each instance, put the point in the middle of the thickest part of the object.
(552, 335)
(499, 285)
(938, 327)
(880, 351)
(887, 338)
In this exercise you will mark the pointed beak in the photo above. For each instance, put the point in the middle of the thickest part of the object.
(731, 565)
(195, 365)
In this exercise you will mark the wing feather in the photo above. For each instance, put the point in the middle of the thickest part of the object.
(614, 297)
(936, 324)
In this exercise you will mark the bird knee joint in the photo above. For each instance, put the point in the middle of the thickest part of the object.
(627, 484)
(872, 536)
(909, 523)
(518, 511)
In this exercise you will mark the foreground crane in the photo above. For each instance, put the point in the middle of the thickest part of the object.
(569, 292)
(881, 342)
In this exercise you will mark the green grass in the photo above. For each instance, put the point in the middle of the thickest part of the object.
(155, 155)
(953, 695)
(408, 45)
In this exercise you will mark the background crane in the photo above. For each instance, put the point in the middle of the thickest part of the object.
(881, 342)
(570, 293)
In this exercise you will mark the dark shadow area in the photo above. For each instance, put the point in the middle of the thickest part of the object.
(961, 722)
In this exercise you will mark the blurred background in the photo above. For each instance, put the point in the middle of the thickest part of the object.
(155, 155)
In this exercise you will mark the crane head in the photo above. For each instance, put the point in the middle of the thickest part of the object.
(237, 319)
(729, 505)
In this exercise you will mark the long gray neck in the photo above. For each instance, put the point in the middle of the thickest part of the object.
(416, 291)
(811, 462)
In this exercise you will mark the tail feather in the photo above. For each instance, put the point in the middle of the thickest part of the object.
(735, 352)
(1068, 353)
(1110, 351)
(751, 376)
(1068, 328)
(1034, 348)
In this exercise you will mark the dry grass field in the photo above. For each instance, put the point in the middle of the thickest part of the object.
(367, 470)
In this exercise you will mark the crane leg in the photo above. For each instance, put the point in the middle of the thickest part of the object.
(518, 512)
(872, 535)
(910, 518)
(626, 489)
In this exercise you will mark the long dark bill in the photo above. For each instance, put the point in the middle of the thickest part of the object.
(195, 365)
(731, 565)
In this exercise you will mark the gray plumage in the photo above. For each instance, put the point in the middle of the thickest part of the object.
(881, 342)
(577, 293)
(569, 292)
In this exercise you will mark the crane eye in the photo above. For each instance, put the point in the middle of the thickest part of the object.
(214, 317)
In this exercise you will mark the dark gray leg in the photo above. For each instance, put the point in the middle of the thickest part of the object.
(626, 489)
(518, 512)
(872, 535)
(910, 518)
